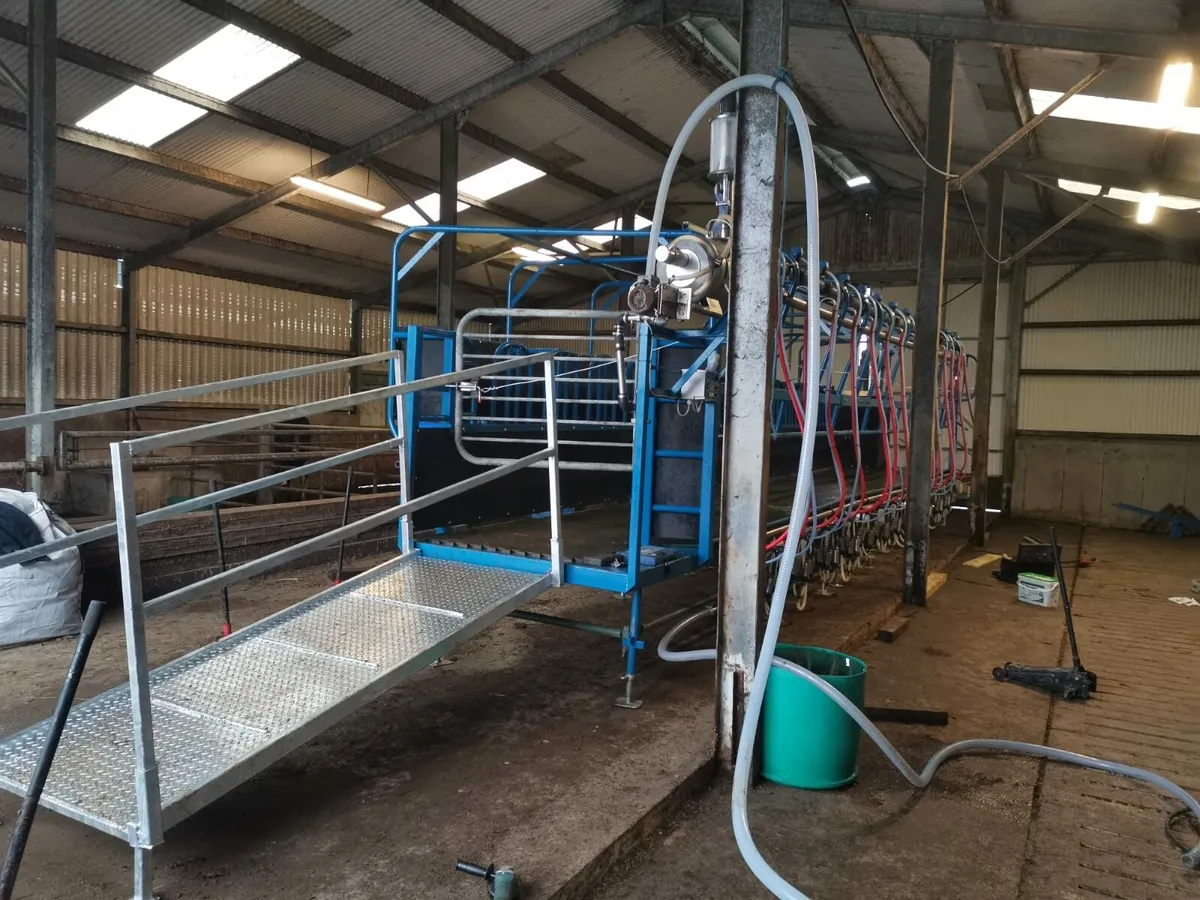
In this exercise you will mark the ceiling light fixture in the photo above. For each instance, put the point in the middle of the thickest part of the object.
(1147, 208)
(336, 193)
(857, 181)
(1173, 91)
(1165, 201)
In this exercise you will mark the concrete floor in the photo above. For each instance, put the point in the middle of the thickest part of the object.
(512, 753)
(988, 828)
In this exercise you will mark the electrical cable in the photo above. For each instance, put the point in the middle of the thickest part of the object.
(862, 51)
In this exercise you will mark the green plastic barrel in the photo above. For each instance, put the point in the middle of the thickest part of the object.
(808, 741)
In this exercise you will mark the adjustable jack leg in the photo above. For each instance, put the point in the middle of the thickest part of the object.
(632, 645)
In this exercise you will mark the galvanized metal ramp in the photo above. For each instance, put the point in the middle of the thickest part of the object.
(228, 710)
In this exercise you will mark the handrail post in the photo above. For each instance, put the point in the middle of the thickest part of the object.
(148, 829)
(556, 550)
(402, 451)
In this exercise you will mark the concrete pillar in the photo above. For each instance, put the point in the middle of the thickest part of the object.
(750, 368)
(931, 268)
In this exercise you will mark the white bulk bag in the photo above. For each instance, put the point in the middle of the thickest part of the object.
(40, 599)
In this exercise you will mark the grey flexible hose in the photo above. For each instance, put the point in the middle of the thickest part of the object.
(762, 870)
(1190, 858)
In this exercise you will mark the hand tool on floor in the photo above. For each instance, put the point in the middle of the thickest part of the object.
(502, 882)
(1075, 683)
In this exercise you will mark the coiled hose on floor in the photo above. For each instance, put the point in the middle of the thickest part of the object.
(1190, 858)
(762, 870)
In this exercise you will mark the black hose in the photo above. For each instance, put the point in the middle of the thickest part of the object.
(20, 836)
(619, 334)
(226, 623)
(337, 574)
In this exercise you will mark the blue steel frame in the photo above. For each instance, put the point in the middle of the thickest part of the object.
(637, 573)
(642, 566)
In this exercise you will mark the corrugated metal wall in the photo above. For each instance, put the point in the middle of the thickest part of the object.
(1110, 392)
(191, 329)
(1112, 322)
(174, 306)
(88, 303)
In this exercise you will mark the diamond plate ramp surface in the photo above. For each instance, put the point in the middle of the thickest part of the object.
(227, 710)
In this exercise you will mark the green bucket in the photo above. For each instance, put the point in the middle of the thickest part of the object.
(808, 741)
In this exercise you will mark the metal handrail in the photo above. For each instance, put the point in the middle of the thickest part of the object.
(186, 435)
(195, 390)
(274, 560)
(197, 503)
(147, 831)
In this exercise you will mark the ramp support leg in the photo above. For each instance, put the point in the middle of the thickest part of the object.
(143, 874)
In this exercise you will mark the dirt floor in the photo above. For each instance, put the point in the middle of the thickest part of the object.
(988, 828)
(513, 752)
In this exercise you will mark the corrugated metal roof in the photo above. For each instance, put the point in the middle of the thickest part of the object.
(828, 66)
(629, 73)
(639, 73)
(537, 24)
(295, 226)
(91, 172)
(143, 33)
(421, 153)
(232, 147)
(216, 250)
(313, 98)
(80, 91)
(947, 7)
(1132, 79)
(535, 119)
(405, 42)
(108, 229)
(1147, 16)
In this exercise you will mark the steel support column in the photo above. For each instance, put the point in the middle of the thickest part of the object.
(40, 294)
(930, 272)
(750, 368)
(990, 290)
(356, 343)
(447, 215)
(1012, 374)
(129, 339)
